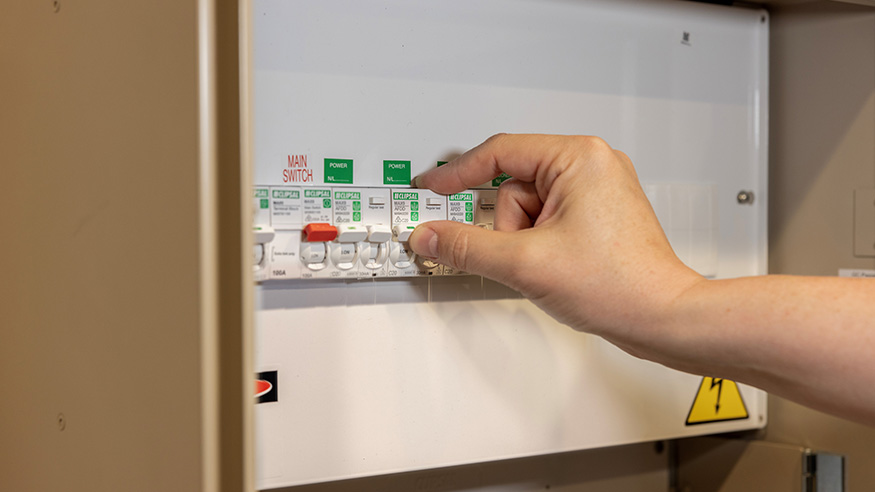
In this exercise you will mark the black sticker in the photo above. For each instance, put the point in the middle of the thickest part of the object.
(266, 387)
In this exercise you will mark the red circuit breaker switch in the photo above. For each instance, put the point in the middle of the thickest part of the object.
(320, 232)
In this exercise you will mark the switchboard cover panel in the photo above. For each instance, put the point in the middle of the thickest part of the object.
(384, 375)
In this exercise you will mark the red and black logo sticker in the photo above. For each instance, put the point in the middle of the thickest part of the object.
(265, 387)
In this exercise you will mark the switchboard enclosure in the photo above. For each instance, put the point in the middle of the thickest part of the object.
(371, 360)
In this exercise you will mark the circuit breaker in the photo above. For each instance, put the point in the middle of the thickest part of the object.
(347, 233)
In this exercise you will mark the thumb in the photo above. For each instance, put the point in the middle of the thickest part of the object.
(464, 247)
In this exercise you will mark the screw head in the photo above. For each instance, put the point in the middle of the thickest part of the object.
(62, 422)
(744, 197)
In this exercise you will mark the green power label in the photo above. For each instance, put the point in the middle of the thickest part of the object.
(317, 193)
(338, 171)
(405, 195)
(500, 179)
(287, 194)
(347, 195)
(396, 172)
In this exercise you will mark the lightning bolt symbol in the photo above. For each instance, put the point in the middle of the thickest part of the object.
(719, 384)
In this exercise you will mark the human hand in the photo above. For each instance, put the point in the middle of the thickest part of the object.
(574, 232)
(576, 235)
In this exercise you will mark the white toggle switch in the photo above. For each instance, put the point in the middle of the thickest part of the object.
(405, 255)
(402, 231)
(343, 255)
(401, 256)
(313, 253)
(379, 233)
(347, 253)
(263, 234)
(487, 202)
(434, 202)
(374, 255)
(377, 200)
(351, 233)
(429, 264)
(258, 254)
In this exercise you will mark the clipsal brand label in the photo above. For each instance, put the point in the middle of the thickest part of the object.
(347, 195)
(286, 194)
(405, 195)
(405, 206)
(285, 210)
(317, 193)
(317, 205)
(460, 207)
(347, 206)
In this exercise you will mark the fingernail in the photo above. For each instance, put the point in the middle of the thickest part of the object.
(424, 242)
(414, 183)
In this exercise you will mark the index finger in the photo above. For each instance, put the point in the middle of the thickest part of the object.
(525, 157)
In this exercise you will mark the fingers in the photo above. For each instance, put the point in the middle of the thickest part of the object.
(518, 205)
(464, 247)
(525, 157)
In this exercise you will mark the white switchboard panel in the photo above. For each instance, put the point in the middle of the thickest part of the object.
(375, 361)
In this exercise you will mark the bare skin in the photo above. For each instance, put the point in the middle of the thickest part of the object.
(612, 272)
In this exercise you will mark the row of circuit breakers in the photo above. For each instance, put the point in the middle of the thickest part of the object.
(306, 233)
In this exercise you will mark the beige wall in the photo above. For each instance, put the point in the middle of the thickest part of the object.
(110, 321)
(822, 148)
(100, 312)
(822, 131)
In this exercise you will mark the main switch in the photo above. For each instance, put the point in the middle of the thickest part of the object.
(319, 232)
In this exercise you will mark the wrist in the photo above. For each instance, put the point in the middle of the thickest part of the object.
(666, 305)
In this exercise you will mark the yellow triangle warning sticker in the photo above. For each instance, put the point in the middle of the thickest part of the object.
(718, 400)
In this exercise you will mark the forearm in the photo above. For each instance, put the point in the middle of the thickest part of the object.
(809, 339)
